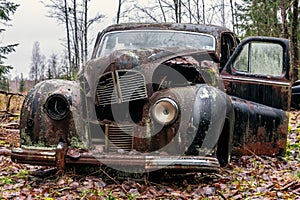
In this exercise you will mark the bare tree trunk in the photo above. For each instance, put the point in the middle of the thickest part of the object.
(274, 22)
(223, 13)
(198, 18)
(162, 11)
(75, 19)
(176, 10)
(236, 18)
(283, 18)
(257, 25)
(203, 12)
(81, 31)
(266, 19)
(81, 41)
(177, 6)
(232, 15)
(294, 39)
(85, 31)
(75, 38)
(68, 34)
(190, 10)
(197, 11)
(179, 11)
(119, 11)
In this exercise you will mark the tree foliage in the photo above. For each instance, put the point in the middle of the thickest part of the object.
(258, 18)
(276, 18)
(6, 10)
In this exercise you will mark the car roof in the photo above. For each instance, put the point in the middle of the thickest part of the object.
(201, 28)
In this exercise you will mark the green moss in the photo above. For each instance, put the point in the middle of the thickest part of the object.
(293, 145)
(23, 174)
(76, 143)
(25, 138)
(2, 142)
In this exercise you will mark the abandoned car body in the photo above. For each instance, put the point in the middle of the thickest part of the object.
(174, 96)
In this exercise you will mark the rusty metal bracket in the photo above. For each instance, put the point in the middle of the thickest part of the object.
(60, 155)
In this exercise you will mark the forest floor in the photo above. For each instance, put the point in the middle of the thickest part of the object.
(250, 177)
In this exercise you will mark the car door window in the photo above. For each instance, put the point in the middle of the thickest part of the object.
(259, 71)
(260, 58)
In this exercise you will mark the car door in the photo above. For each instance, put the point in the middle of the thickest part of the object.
(258, 79)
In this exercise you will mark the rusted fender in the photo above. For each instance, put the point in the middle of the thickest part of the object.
(51, 113)
(204, 111)
(211, 110)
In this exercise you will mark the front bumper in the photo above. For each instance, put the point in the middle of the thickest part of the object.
(59, 157)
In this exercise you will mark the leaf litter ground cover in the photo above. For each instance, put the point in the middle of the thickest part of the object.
(250, 177)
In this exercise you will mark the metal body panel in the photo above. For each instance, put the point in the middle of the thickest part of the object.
(259, 129)
(108, 115)
(38, 129)
(268, 92)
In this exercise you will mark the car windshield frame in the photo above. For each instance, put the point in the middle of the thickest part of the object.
(130, 43)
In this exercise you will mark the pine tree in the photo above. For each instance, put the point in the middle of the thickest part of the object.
(22, 84)
(49, 74)
(275, 18)
(255, 17)
(6, 10)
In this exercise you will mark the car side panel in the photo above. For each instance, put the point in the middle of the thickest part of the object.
(274, 93)
(259, 129)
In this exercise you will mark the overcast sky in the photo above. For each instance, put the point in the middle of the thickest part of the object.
(30, 24)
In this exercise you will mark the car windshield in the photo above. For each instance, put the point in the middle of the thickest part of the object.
(135, 39)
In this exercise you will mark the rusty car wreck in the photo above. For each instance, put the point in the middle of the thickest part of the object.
(153, 96)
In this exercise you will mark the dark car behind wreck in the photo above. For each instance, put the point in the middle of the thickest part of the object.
(153, 96)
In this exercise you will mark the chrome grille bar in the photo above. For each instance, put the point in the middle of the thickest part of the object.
(132, 85)
(106, 92)
(126, 85)
(120, 137)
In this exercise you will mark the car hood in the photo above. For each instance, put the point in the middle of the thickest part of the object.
(147, 60)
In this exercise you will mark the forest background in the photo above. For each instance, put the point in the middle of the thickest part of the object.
(276, 18)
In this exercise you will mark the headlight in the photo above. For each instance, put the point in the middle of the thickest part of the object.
(57, 106)
(165, 111)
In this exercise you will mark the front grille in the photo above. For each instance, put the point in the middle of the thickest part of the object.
(121, 86)
(106, 91)
(119, 137)
(132, 85)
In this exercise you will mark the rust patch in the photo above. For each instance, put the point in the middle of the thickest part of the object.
(261, 148)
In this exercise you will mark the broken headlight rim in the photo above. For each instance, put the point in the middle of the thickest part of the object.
(57, 106)
(165, 111)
